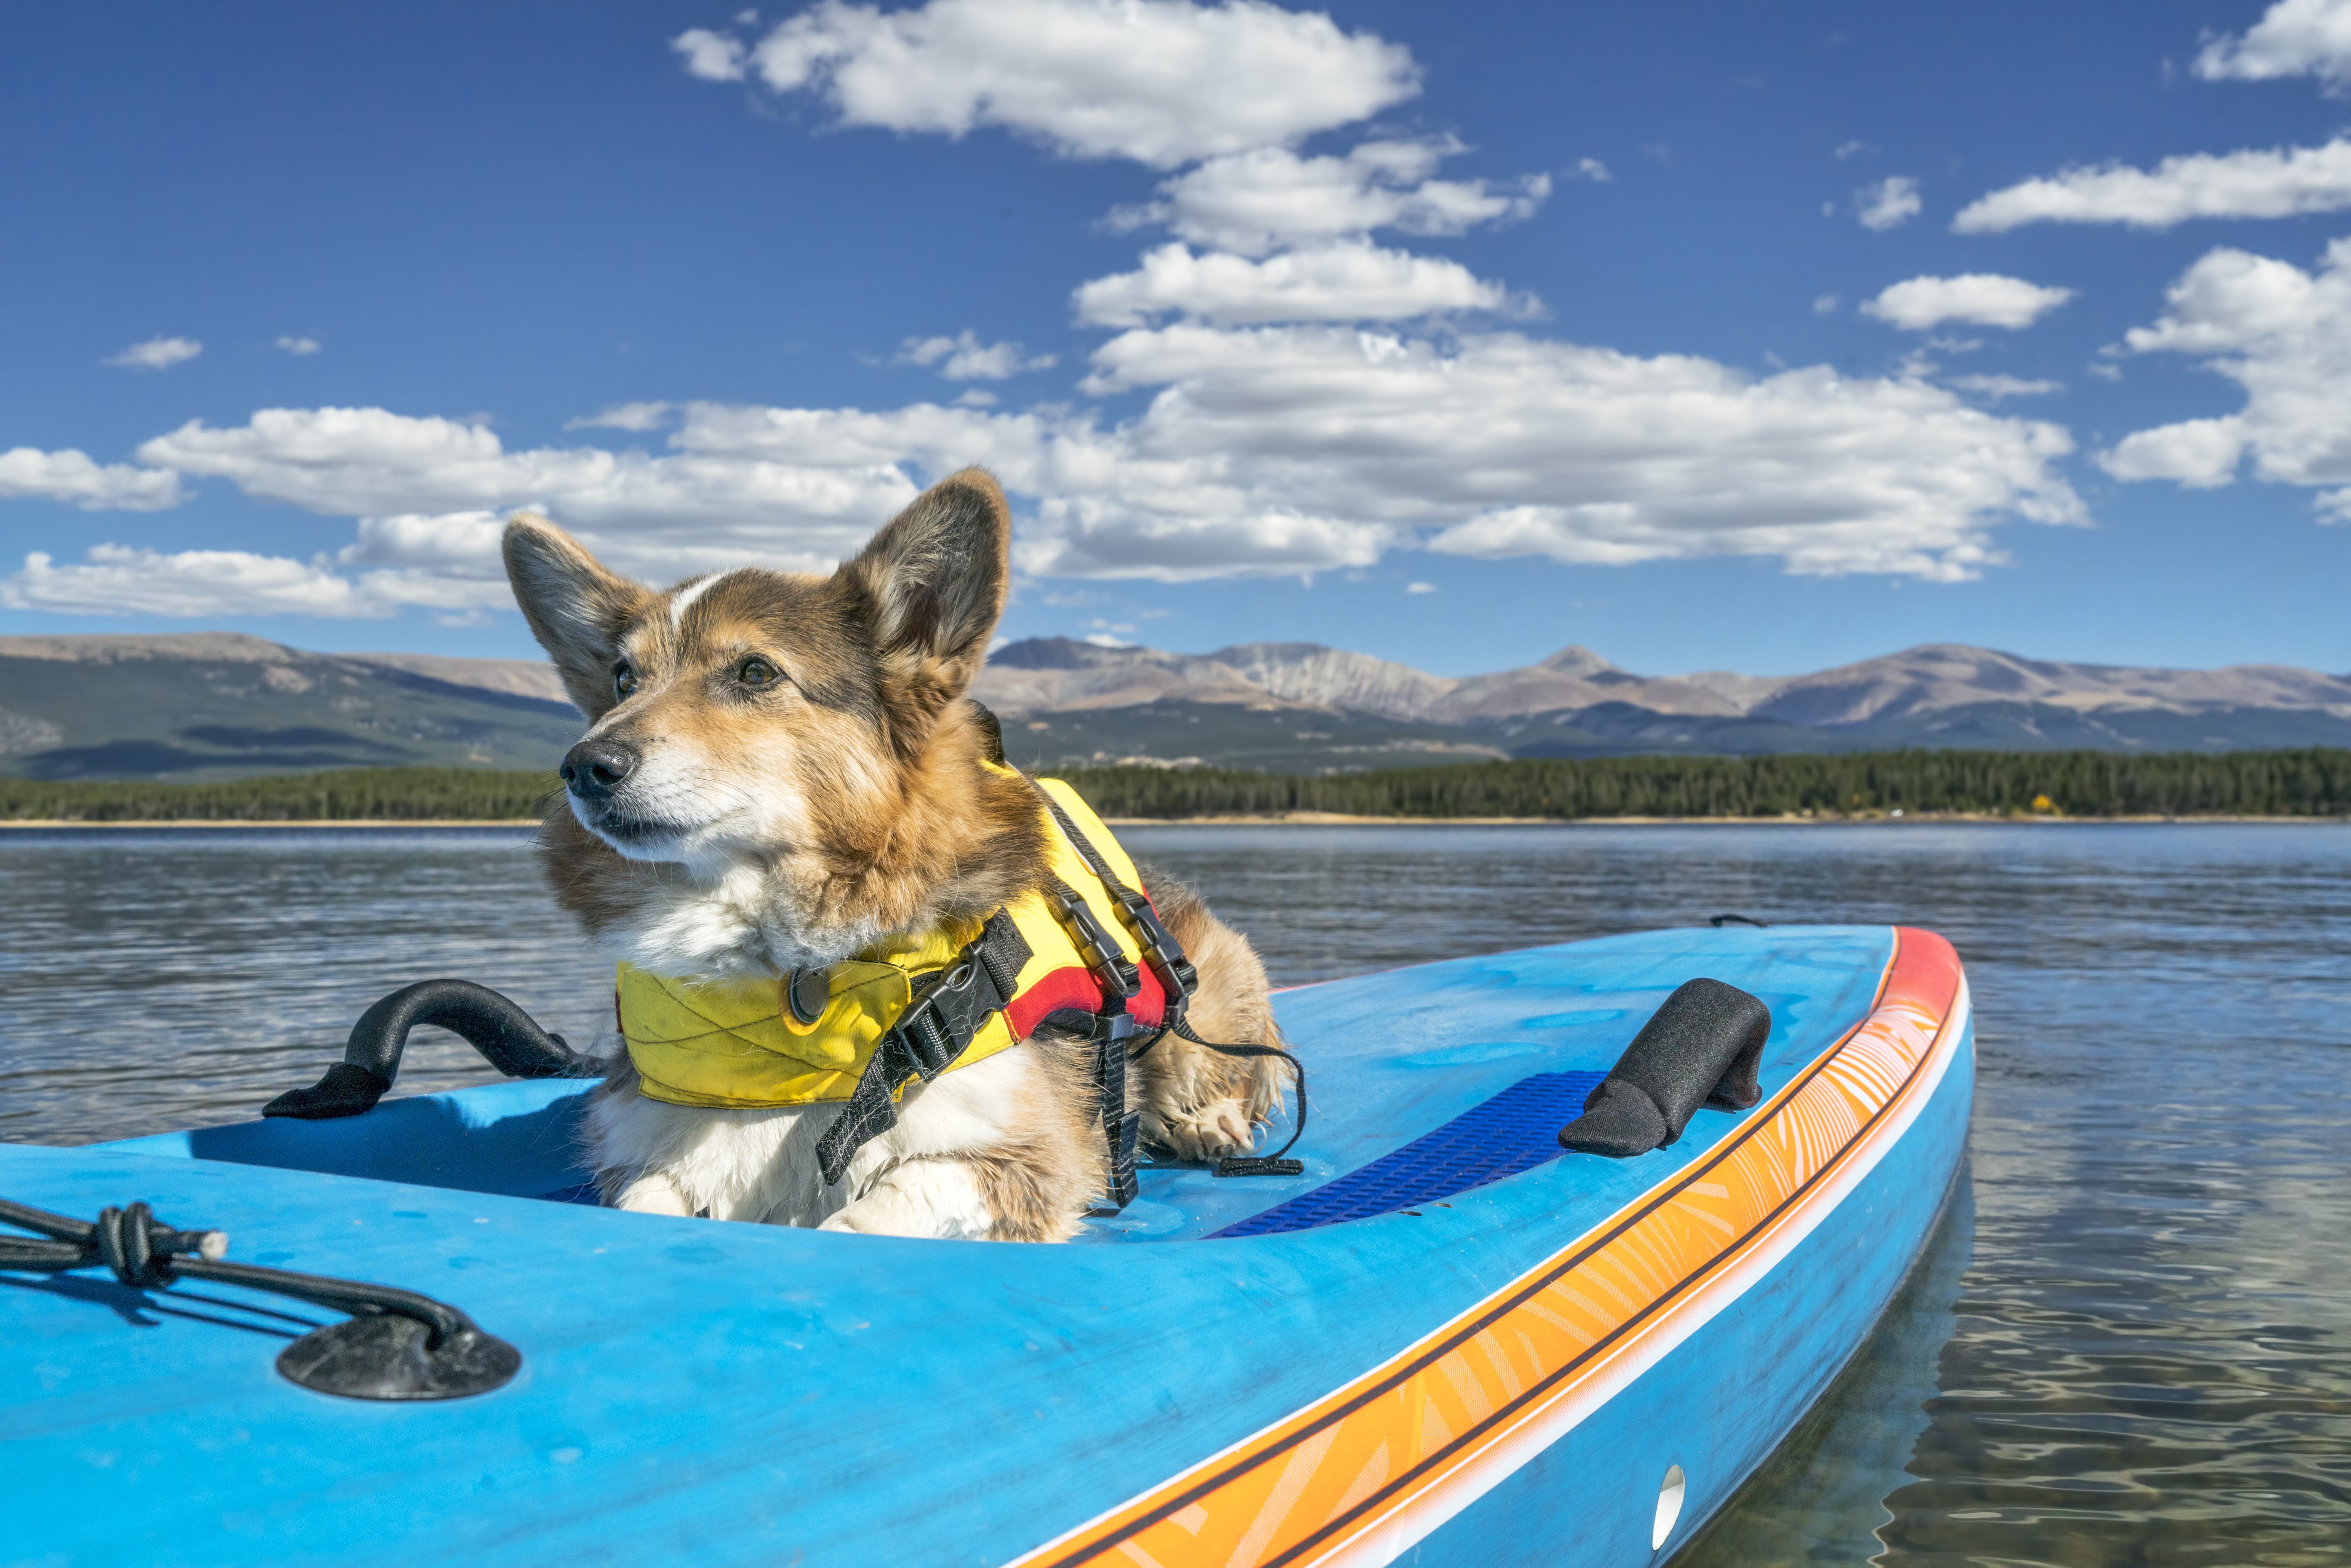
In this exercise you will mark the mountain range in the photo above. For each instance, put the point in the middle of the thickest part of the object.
(220, 705)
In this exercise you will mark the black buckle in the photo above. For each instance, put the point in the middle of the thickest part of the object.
(949, 1008)
(953, 1005)
(927, 1039)
(1177, 977)
(1095, 945)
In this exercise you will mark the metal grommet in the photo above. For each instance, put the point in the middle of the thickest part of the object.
(806, 993)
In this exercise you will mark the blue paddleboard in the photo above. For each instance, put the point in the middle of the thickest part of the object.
(1448, 1337)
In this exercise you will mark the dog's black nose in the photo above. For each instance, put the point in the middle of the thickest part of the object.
(594, 769)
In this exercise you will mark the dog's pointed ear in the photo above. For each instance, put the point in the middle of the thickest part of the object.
(934, 581)
(577, 610)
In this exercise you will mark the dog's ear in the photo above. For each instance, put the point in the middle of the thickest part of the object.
(934, 581)
(576, 609)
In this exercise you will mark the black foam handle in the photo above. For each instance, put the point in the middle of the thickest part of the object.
(1703, 1047)
(507, 1038)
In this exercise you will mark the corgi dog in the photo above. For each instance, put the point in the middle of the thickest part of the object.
(781, 771)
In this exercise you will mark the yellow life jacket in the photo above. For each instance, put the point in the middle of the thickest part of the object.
(743, 1044)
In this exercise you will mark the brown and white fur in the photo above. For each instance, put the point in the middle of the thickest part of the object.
(779, 770)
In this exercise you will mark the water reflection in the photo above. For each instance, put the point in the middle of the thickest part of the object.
(1821, 1499)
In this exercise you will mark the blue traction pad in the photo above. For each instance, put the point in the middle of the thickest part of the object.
(1516, 1130)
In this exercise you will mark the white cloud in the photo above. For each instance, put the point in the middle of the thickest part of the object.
(2201, 453)
(157, 353)
(686, 511)
(1891, 202)
(116, 579)
(72, 477)
(1344, 282)
(1513, 446)
(1420, 587)
(713, 57)
(1982, 298)
(1267, 450)
(2282, 334)
(1270, 197)
(1824, 305)
(1997, 387)
(1845, 149)
(2293, 37)
(1590, 169)
(2278, 183)
(298, 347)
(1164, 83)
(967, 359)
(636, 416)
(466, 543)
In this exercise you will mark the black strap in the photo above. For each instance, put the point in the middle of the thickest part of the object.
(1178, 981)
(1120, 1126)
(1113, 1034)
(1178, 978)
(1261, 1165)
(950, 1007)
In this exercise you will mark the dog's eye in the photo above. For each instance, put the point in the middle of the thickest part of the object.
(758, 674)
(624, 681)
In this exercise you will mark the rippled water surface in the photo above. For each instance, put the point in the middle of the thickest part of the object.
(2130, 1343)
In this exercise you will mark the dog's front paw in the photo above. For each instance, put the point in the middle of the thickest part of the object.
(1215, 1130)
(920, 1197)
(653, 1194)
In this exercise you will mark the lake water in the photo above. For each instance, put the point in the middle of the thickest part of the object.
(2128, 1343)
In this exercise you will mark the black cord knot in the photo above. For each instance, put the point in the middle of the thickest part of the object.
(127, 1245)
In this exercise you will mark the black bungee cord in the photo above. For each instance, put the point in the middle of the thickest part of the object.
(396, 1344)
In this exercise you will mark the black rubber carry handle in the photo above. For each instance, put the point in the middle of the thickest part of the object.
(506, 1037)
(1704, 1047)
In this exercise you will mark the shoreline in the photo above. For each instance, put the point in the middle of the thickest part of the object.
(1271, 820)
(150, 823)
(1879, 819)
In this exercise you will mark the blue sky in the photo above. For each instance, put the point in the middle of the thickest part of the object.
(1708, 336)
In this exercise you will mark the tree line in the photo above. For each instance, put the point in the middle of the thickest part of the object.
(341, 794)
(2313, 782)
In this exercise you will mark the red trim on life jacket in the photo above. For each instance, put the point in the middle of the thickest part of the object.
(1076, 987)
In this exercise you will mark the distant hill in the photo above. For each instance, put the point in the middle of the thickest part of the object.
(214, 704)
(217, 705)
